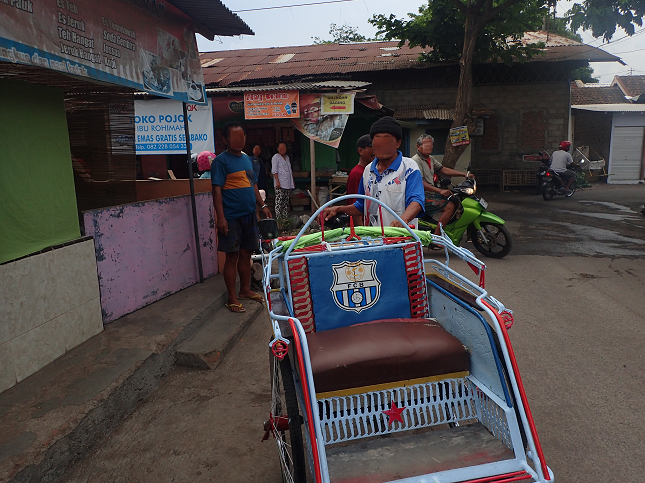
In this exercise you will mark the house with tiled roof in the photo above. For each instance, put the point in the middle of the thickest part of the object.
(610, 120)
(520, 109)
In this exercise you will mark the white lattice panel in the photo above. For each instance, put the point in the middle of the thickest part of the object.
(358, 416)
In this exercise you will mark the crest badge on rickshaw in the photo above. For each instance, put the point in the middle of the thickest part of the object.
(356, 286)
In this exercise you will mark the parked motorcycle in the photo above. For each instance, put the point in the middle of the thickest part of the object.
(486, 230)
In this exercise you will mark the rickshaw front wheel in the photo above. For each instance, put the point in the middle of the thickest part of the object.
(284, 399)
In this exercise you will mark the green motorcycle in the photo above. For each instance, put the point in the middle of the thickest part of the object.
(485, 229)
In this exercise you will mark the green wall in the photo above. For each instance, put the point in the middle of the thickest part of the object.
(37, 195)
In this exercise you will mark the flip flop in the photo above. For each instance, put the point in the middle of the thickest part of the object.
(256, 296)
(235, 308)
(433, 246)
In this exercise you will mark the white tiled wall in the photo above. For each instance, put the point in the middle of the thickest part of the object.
(49, 303)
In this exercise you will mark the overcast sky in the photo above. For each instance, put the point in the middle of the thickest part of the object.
(282, 27)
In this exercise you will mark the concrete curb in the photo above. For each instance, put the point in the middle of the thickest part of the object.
(122, 399)
(210, 344)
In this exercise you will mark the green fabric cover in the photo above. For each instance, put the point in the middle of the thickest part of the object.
(341, 233)
(38, 198)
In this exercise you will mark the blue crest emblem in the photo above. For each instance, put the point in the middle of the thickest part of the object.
(356, 286)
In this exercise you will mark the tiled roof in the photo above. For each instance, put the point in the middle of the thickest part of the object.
(253, 66)
(631, 85)
(582, 94)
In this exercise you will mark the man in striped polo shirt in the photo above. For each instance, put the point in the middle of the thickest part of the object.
(235, 197)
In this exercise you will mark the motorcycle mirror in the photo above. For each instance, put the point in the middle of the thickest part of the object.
(445, 182)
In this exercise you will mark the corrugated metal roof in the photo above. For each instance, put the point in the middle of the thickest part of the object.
(363, 57)
(213, 18)
(611, 107)
(331, 84)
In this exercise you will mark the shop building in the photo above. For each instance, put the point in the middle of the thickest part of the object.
(68, 73)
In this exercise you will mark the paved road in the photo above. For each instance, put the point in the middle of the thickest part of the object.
(579, 334)
(602, 221)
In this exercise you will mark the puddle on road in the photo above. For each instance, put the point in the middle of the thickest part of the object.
(587, 240)
(615, 206)
(604, 216)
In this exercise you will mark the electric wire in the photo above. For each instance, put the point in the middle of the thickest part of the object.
(290, 6)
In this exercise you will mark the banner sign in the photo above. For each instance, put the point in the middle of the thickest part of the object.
(337, 104)
(142, 44)
(324, 128)
(459, 136)
(271, 105)
(159, 127)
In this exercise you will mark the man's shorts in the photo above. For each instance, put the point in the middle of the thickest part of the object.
(568, 174)
(242, 234)
(435, 202)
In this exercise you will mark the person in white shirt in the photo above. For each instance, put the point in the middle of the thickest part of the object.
(559, 162)
(282, 180)
(391, 178)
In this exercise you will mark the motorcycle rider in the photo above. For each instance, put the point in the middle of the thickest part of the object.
(559, 162)
(436, 199)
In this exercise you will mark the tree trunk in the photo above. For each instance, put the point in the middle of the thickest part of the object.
(463, 103)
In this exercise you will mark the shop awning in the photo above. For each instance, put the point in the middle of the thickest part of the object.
(213, 18)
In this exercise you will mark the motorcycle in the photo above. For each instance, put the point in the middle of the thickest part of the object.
(485, 229)
(553, 184)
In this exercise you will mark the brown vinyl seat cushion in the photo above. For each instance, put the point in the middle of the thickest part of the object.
(383, 351)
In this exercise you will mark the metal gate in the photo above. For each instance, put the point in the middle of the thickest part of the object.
(625, 163)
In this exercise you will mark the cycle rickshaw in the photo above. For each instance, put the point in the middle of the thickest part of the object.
(388, 367)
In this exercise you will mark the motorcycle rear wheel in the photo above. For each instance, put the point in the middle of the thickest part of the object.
(548, 192)
(569, 193)
(498, 243)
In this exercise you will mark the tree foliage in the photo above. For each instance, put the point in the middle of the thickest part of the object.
(342, 34)
(603, 17)
(441, 25)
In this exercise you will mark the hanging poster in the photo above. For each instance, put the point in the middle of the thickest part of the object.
(459, 136)
(324, 128)
(159, 127)
(271, 105)
(145, 45)
(337, 104)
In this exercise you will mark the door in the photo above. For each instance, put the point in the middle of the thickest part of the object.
(625, 163)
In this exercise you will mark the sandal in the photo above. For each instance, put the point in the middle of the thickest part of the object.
(256, 296)
(235, 308)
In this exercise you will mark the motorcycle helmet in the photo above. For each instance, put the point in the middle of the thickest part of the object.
(204, 160)
(565, 145)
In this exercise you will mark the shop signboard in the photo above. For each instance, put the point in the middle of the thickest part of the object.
(324, 128)
(459, 136)
(142, 44)
(159, 127)
(271, 105)
(337, 104)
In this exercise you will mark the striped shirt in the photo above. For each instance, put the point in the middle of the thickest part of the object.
(236, 177)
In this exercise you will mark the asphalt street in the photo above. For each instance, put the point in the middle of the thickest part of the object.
(575, 281)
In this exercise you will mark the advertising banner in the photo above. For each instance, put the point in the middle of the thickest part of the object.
(337, 104)
(143, 44)
(459, 136)
(271, 105)
(159, 127)
(324, 128)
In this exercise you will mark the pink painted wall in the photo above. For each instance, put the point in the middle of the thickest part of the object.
(146, 251)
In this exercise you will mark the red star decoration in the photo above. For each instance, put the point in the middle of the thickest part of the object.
(394, 414)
